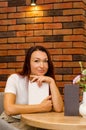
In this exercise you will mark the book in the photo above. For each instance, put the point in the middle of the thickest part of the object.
(36, 94)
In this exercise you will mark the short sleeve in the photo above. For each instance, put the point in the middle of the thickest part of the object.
(11, 84)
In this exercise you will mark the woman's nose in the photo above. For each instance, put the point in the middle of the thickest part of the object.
(41, 64)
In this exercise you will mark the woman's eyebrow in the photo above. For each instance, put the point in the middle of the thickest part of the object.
(40, 58)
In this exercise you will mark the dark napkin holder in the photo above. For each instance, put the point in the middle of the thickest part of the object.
(71, 100)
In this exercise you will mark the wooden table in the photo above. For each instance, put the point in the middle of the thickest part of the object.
(55, 121)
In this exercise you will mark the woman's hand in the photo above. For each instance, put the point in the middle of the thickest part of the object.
(46, 104)
(40, 79)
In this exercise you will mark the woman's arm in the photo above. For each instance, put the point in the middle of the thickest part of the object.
(14, 109)
(56, 97)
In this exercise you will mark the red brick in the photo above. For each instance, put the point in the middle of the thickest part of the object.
(67, 77)
(42, 32)
(58, 77)
(3, 16)
(52, 1)
(24, 46)
(16, 40)
(57, 64)
(16, 15)
(73, 51)
(16, 27)
(8, 9)
(34, 14)
(44, 19)
(78, 5)
(61, 84)
(46, 7)
(79, 18)
(76, 71)
(3, 65)
(8, 46)
(3, 85)
(63, 31)
(3, 40)
(16, 52)
(3, 53)
(7, 22)
(47, 45)
(34, 39)
(74, 38)
(78, 44)
(7, 71)
(39, 1)
(71, 64)
(52, 25)
(3, 28)
(20, 58)
(24, 33)
(63, 5)
(62, 45)
(34, 26)
(3, 4)
(78, 31)
(23, 8)
(55, 51)
(63, 19)
(73, 12)
(18, 70)
(70, 0)
(62, 57)
(15, 65)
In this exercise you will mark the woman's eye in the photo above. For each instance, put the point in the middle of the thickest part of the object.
(46, 61)
(36, 61)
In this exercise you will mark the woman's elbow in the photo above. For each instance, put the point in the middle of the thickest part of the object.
(8, 111)
(59, 109)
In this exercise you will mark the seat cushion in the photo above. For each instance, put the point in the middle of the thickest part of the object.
(1, 102)
(6, 126)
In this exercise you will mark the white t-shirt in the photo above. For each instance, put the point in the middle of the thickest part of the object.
(18, 85)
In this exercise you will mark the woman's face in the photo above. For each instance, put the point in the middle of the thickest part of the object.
(39, 63)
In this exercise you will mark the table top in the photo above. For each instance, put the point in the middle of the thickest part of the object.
(55, 121)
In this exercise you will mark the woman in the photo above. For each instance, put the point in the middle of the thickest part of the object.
(38, 68)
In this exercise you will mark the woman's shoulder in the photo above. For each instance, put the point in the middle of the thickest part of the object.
(16, 76)
(13, 75)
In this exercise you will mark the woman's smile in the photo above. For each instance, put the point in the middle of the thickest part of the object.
(41, 72)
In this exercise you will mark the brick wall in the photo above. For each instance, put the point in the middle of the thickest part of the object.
(58, 25)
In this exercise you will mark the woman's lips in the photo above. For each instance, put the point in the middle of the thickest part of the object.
(41, 71)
